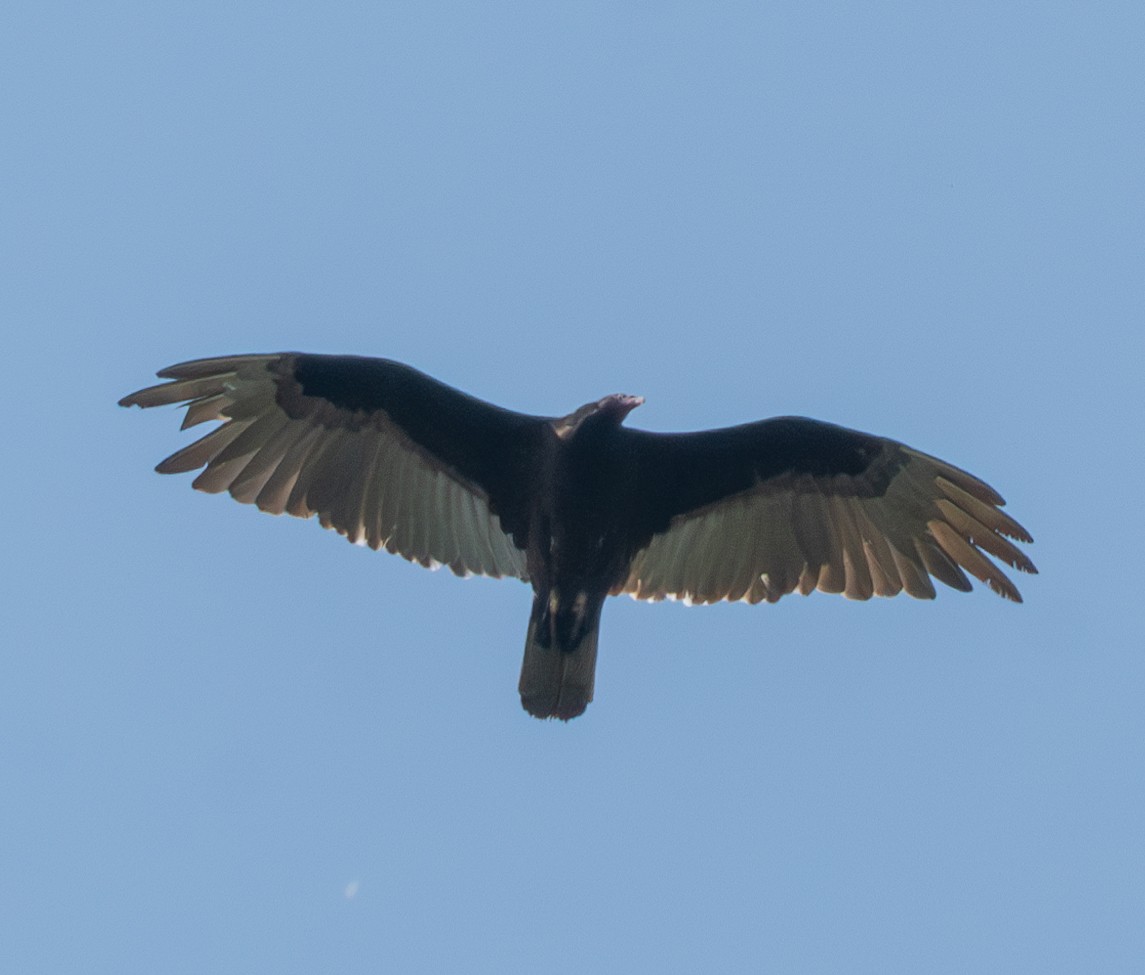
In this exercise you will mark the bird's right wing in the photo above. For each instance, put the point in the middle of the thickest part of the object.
(382, 453)
(765, 509)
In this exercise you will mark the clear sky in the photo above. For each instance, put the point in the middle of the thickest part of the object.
(234, 743)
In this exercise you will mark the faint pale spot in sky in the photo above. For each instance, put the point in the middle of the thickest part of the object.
(351, 890)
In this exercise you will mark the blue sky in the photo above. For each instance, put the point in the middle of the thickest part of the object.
(234, 743)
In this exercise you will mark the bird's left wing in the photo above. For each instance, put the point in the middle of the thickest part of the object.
(382, 453)
(761, 510)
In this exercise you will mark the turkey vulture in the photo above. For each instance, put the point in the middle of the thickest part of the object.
(579, 506)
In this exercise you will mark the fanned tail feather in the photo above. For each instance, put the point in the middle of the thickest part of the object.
(556, 682)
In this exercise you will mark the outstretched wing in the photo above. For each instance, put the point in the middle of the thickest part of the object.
(759, 511)
(382, 453)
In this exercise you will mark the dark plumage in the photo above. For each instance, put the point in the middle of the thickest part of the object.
(580, 506)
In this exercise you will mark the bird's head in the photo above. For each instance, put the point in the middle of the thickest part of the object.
(610, 410)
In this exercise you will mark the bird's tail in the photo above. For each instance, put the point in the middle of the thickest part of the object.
(560, 659)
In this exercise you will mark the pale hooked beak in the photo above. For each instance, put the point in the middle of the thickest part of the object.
(628, 403)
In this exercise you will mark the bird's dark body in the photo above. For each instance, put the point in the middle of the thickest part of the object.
(581, 506)
(579, 548)
(586, 537)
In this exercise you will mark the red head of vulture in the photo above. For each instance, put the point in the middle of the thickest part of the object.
(580, 506)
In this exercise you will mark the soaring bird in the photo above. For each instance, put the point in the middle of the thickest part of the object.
(580, 506)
